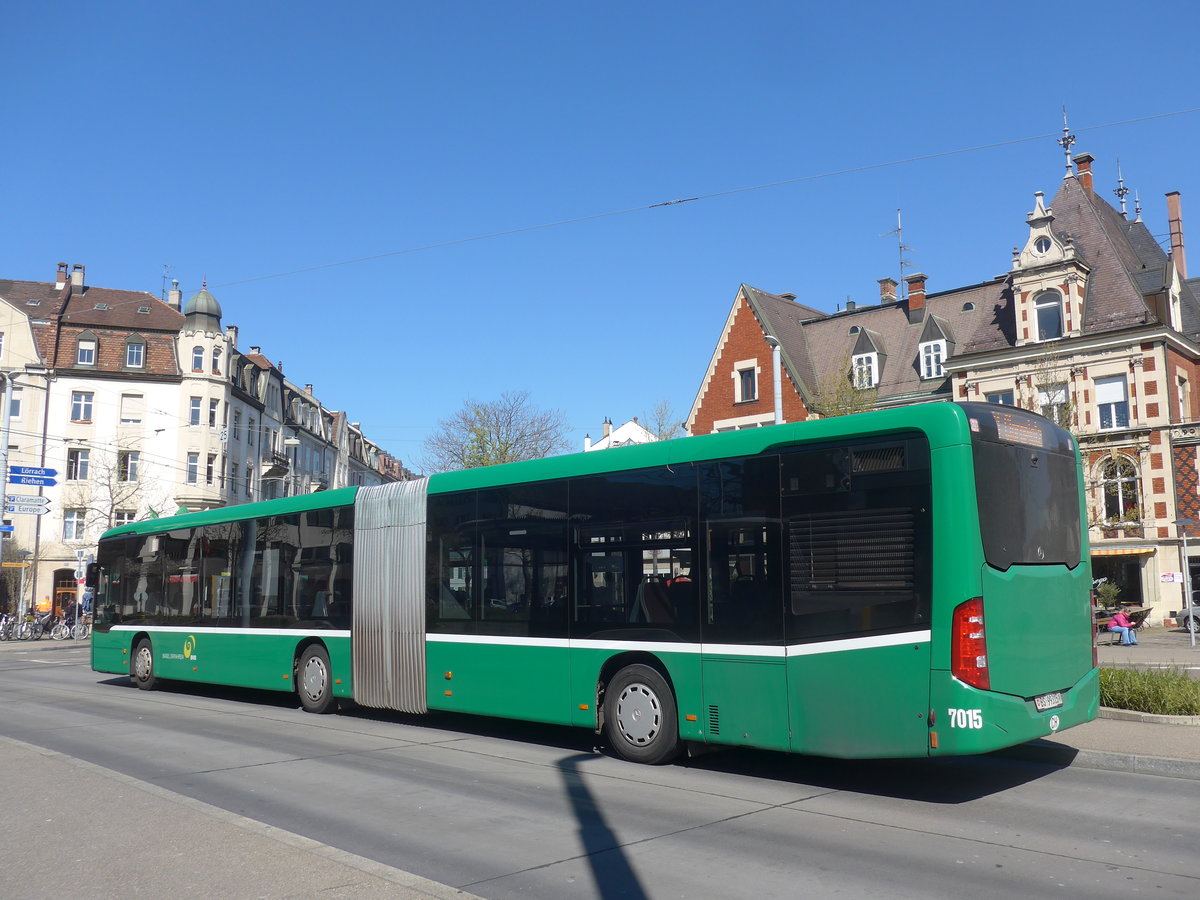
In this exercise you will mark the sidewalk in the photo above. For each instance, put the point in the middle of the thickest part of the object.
(82, 824)
(1127, 741)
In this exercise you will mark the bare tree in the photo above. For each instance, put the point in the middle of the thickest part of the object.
(663, 422)
(115, 484)
(837, 394)
(498, 431)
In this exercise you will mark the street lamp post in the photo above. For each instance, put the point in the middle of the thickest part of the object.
(1189, 621)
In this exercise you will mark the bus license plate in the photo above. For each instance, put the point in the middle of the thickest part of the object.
(1048, 701)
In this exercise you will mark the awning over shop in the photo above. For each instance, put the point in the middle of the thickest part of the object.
(1125, 551)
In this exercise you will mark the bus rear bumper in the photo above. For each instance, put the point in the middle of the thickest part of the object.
(967, 720)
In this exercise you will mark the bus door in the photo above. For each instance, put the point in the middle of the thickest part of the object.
(743, 655)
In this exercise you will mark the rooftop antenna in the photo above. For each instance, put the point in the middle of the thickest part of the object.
(898, 231)
(166, 275)
(1121, 191)
(1066, 142)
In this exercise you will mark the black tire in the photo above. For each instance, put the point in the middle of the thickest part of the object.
(640, 717)
(1191, 624)
(141, 666)
(314, 680)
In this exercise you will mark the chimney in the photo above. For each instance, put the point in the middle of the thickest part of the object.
(1175, 221)
(175, 296)
(788, 295)
(77, 279)
(1083, 163)
(231, 331)
(916, 297)
(607, 427)
(308, 389)
(587, 442)
(851, 306)
(887, 289)
(256, 349)
(60, 280)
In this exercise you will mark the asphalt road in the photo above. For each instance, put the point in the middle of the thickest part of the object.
(505, 809)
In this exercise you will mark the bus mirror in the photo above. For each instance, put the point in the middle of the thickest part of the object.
(92, 577)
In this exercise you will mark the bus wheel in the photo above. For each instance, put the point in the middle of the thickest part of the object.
(640, 717)
(142, 668)
(315, 684)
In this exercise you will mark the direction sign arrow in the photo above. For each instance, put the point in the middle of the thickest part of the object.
(26, 498)
(35, 480)
(28, 509)
(32, 470)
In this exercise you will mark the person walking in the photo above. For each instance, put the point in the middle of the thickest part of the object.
(1121, 625)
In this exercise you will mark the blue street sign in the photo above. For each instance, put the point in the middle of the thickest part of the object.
(32, 470)
(7, 527)
(31, 479)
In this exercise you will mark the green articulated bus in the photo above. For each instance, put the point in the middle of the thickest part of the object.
(902, 583)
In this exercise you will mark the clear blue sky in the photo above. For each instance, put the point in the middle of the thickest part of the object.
(243, 140)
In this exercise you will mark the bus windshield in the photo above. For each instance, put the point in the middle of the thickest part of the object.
(1027, 487)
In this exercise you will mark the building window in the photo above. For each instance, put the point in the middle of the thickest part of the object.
(194, 411)
(193, 468)
(1052, 403)
(865, 370)
(85, 353)
(214, 406)
(197, 359)
(1047, 310)
(1185, 400)
(248, 479)
(1113, 402)
(748, 383)
(77, 465)
(128, 462)
(1, 345)
(932, 354)
(1118, 481)
(81, 406)
(210, 469)
(216, 359)
(135, 355)
(131, 409)
(250, 433)
(1003, 398)
(234, 471)
(14, 408)
(237, 425)
(123, 517)
(73, 524)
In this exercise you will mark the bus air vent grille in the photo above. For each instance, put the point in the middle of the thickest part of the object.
(879, 459)
(714, 720)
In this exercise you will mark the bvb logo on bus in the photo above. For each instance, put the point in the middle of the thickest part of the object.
(189, 647)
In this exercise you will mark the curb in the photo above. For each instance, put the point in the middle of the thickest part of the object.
(1048, 752)
(1129, 715)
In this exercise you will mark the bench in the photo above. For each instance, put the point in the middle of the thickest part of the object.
(1137, 618)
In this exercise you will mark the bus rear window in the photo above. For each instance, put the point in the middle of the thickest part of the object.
(1027, 488)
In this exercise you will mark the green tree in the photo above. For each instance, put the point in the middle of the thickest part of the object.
(509, 429)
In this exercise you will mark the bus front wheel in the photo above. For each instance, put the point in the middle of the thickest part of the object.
(640, 716)
(142, 666)
(314, 681)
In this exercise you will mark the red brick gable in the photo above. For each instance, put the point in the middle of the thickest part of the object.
(743, 339)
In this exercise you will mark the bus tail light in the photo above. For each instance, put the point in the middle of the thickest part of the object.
(968, 645)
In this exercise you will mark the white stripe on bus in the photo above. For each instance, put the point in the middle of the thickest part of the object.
(833, 646)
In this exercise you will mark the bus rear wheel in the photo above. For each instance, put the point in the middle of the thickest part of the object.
(141, 668)
(314, 681)
(640, 716)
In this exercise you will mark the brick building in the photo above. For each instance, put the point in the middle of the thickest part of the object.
(1094, 325)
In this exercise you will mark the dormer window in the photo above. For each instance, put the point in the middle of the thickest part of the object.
(865, 368)
(85, 351)
(1042, 245)
(1048, 314)
(932, 355)
(135, 354)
